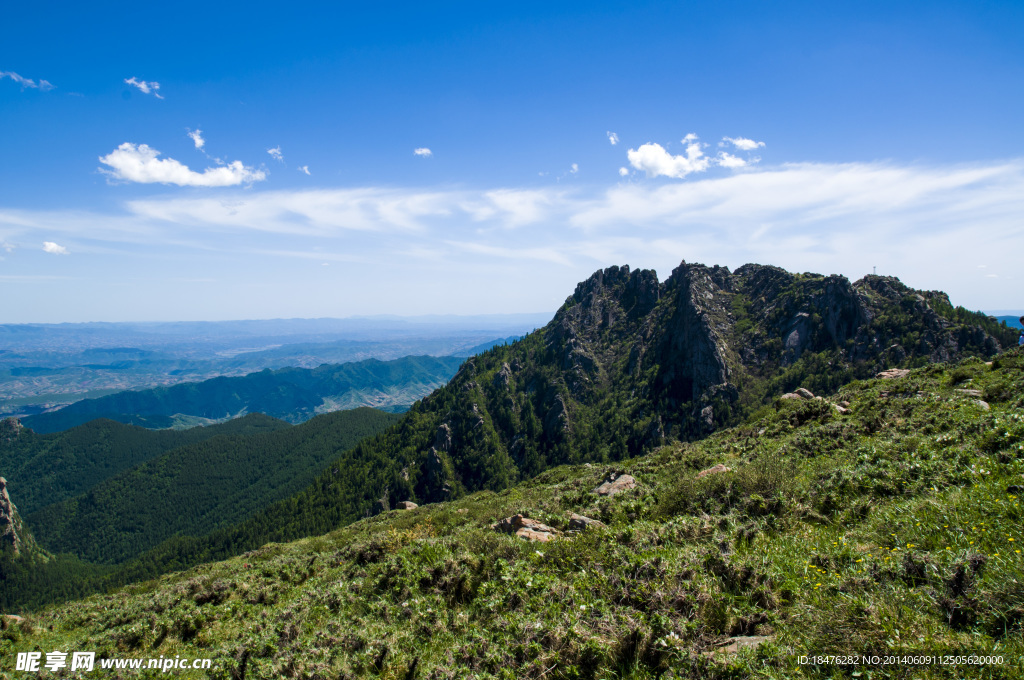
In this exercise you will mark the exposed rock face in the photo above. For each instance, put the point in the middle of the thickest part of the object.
(405, 505)
(11, 529)
(10, 429)
(891, 373)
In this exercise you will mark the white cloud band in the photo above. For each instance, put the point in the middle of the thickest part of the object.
(140, 164)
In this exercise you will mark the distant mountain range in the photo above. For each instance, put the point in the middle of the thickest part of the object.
(290, 394)
(1013, 321)
(43, 366)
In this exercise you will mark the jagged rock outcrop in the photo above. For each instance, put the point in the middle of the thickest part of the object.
(629, 361)
(10, 429)
(12, 531)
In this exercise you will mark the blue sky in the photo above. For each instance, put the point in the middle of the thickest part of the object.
(223, 161)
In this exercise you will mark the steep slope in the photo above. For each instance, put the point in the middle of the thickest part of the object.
(626, 364)
(892, 529)
(196, 488)
(291, 394)
(46, 469)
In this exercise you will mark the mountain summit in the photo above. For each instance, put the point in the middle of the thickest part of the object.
(628, 361)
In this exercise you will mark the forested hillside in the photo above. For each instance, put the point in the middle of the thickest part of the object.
(291, 394)
(47, 469)
(196, 488)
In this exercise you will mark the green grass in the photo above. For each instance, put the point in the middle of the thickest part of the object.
(895, 529)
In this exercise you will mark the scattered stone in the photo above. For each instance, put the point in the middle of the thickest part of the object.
(969, 393)
(531, 535)
(713, 471)
(791, 395)
(462, 511)
(844, 404)
(615, 484)
(734, 644)
(893, 373)
(527, 528)
(983, 404)
(406, 505)
(805, 393)
(581, 523)
(841, 409)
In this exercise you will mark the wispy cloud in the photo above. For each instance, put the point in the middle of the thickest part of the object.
(916, 221)
(304, 169)
(54, 249)
(140, 164)
(423, 152)
(197, 138)
(612, 137)
(741, 143)
(42, 85)
(152, 87)
(276, 154)
(574, 168)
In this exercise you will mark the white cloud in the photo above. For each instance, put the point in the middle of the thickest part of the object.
(623, 172)
(140, 164)
(918, 222)
(42, 85)
(304, 168)
(51, 247)
(691, 137)
(197, 138)
(575, 168)
(423, 151)
(613, 138)
(656, 161)
(741, 143)
(727, 160)
(276, 154)
(150, 87)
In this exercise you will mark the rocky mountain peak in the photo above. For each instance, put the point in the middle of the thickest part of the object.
(10, 429)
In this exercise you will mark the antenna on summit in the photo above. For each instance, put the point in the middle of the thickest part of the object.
(874, 270)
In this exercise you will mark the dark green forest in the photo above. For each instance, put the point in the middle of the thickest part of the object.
(46, 469)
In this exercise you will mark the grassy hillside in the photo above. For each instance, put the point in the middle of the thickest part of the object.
(291, 394)
(47, 469)
(894, 528)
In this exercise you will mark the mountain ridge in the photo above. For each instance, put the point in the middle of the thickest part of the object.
(290, 394)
